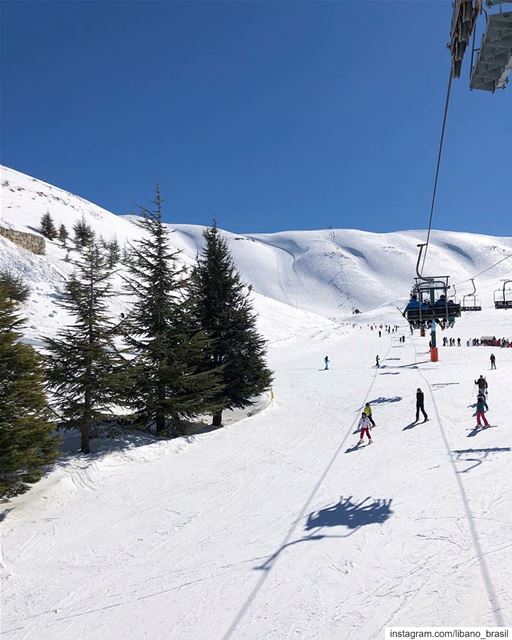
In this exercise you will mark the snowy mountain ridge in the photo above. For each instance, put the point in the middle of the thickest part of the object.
(330, 272)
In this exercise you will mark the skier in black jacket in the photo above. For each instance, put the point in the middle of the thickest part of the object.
(419, 406)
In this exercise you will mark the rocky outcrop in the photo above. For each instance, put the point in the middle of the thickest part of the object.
(29, 241)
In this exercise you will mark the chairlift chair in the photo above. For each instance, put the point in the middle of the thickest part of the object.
(422, 309)
(503, 296)
(494, 60)
(470, 302)
(444, 310)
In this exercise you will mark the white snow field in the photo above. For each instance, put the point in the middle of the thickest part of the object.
(275, 527)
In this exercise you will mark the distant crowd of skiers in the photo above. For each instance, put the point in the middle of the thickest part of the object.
(490, 342)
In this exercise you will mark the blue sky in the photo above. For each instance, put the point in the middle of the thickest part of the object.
(266, 115)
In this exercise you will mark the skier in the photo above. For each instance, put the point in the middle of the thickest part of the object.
(364, 428)
(326, 362)
(367, 411)
(482, 385)
(493, 361)
(419, 406)
(380, 334)
(481, 408)
(377, 361)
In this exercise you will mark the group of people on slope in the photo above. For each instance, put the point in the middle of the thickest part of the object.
(366, 422)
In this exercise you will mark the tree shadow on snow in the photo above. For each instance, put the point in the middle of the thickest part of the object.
(390, 373)
(344, 513)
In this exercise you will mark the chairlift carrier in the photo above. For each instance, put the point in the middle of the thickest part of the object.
(505, 302)
(469, 301)
(493, 62)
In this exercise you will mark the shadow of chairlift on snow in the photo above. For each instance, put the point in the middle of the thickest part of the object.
(382, 400)
(344, 513)
(441, 385)
(481, 455)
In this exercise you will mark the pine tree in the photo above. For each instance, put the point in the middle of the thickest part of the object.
(113, 253)
(167, 346)
(224, 312)
(84, 234)
(27, 442)
(83, 362)
(14, 286)
(47, 227)
(63, 234)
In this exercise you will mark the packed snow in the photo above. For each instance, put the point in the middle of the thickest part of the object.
(276, 526)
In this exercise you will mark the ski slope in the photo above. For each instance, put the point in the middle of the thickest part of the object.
(275, 527)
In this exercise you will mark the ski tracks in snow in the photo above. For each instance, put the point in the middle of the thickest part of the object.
(479, 554)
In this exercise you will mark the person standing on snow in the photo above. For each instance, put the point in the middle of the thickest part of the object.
(420, 406)
(326, 362)
(481, 408)
(377, 361)
(364, 428)
(482, 385)
(367, 411)
(493, 361)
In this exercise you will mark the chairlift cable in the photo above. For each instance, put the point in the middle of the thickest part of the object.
(486, 269)
(438, 165)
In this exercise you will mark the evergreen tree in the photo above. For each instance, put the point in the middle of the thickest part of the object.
(113, 253)
(63, 234)
(47, 227)
(83, 362)
(224, 312)
(84, 234)
(27, 443)
(14, 286)
(167, 346)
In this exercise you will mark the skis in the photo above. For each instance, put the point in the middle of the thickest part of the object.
(482, 426)
(357, 446)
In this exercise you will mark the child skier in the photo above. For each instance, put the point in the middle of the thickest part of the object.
(367, 411)
(481, 408)
(364, 428)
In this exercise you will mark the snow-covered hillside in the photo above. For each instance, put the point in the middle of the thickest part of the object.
(329, 272)
(278, 527)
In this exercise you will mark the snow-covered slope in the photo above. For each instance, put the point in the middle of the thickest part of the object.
(279, 528)
(329, 272)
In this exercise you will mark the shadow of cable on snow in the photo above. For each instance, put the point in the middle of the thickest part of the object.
(344, 513)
